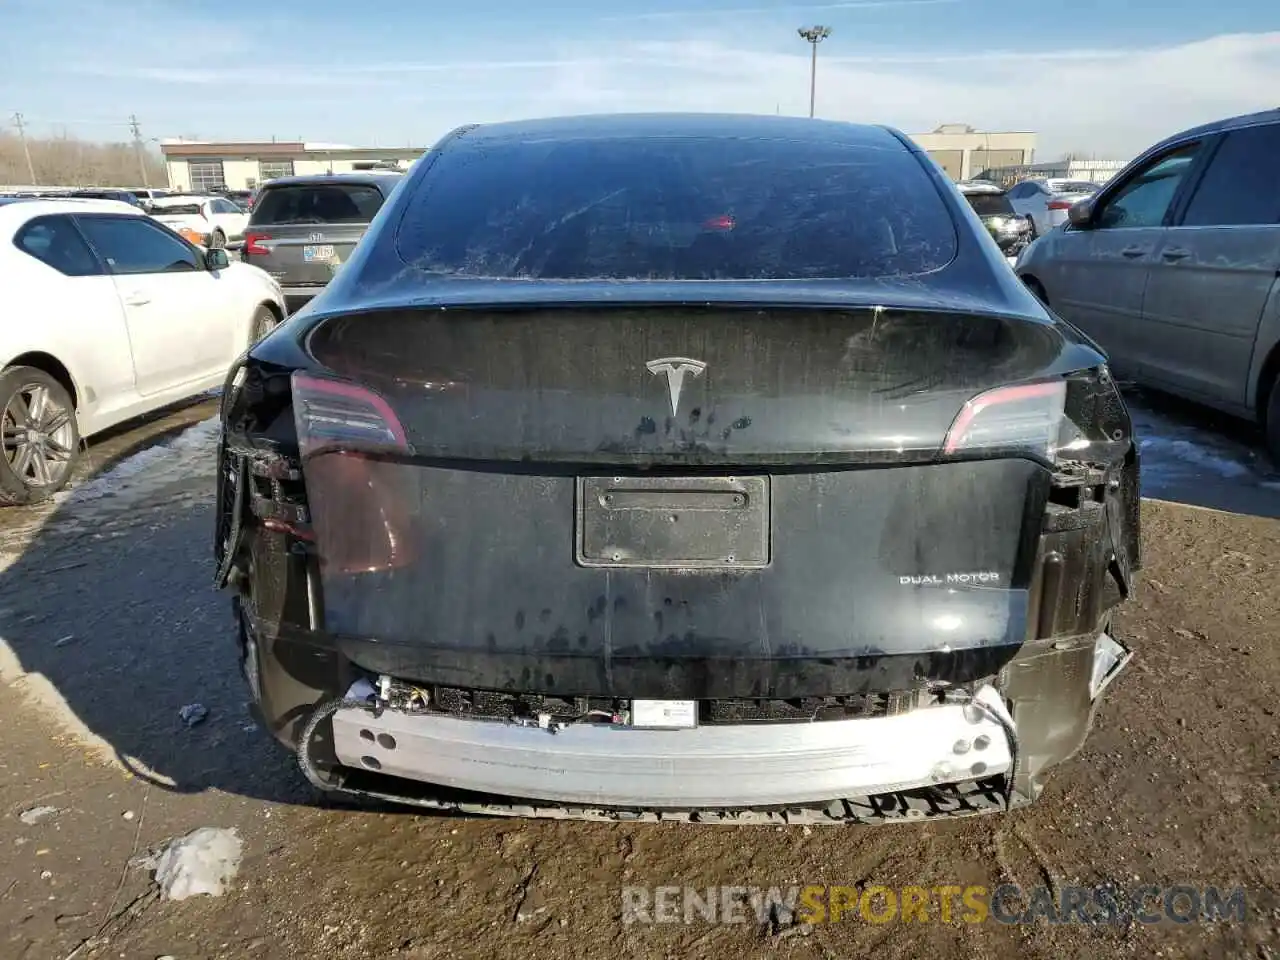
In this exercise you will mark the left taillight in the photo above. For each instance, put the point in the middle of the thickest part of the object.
(1024, 417)
(340, 414)
(1060, 204)
(253, 243)
(359, 496)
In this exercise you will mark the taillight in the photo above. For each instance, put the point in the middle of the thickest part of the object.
(360, 502)
(1024, 417)
(253, 244)
(1059, 204)
(338, 414)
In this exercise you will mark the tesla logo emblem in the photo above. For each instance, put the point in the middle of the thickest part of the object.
(676, 369)
(316, 237)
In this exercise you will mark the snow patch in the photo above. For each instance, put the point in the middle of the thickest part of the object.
(205, 861)
(37, 815)
(165, 461)
(1191, 454)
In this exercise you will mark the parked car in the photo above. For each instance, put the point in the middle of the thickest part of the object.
(990, 202)
(241, 198)
(209, 221)
(1044, 203)
(1172, 268)
(146, 197)
(302, 229)
(111, 315)
(120, 196)
(622, 470)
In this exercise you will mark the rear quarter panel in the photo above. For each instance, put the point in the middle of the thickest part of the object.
(1266, 351)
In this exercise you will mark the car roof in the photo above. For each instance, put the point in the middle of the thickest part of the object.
(180, 199)
(14, 213)
(1219, 126)
(364, 177)
(697, 125)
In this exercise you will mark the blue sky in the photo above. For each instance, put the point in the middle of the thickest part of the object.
(1089, 76)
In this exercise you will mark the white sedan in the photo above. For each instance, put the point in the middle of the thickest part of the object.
(209, 221)
(108, 315)
(1044, 203)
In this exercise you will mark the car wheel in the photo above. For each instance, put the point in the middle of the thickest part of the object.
(264, 321)
(41, 440)
(1036, 289)
(1272, 423)
(218, 241)
(1031, 222)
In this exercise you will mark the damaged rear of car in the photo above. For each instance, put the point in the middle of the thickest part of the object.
(678, 467)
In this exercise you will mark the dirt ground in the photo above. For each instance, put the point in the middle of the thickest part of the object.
(1177, 785)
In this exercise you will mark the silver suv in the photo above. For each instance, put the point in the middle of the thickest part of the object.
(1172, 268)
(303, 229)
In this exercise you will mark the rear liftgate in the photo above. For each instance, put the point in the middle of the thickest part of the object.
(388, 472)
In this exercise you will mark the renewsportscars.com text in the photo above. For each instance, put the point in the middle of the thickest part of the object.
(1007, 903)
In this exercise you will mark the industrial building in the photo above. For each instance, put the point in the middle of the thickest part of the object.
(1092, 171)
(964, 152)
(959, 149)
(202, 166)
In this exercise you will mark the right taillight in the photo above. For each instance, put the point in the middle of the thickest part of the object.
(1059, 204)
(253, 244)
(1026, 417)
(360, 497)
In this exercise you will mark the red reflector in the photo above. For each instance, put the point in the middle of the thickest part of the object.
(725, 222)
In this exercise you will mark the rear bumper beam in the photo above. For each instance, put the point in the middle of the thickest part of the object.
(739, 765)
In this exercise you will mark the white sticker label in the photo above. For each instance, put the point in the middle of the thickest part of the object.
(680, 714)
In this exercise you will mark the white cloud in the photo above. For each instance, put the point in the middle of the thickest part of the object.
(1113, 102)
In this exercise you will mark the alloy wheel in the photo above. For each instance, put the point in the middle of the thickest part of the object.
(38, 436)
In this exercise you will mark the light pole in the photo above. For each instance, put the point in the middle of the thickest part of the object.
(814, 36)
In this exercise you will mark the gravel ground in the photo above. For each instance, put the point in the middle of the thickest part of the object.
(112, 628)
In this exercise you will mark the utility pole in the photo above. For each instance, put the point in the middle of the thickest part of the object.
(139, 149)
(26, 150)
(814, 36)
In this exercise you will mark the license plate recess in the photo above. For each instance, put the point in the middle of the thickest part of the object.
(673, 522)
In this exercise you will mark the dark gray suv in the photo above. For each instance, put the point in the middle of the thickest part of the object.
(304, 228)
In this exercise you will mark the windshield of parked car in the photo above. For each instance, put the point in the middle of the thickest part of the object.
(677, 209)
(317, 203)
(990, 204)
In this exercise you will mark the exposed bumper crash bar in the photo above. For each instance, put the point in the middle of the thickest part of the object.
(741, 765)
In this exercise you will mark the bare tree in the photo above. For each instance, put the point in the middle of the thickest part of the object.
(66, 161)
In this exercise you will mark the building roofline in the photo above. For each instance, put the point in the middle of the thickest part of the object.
(293, 148)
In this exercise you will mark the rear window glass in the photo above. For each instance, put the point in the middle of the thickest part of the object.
(177, 209)
(990, 204)
(677, 209)
(317, 203)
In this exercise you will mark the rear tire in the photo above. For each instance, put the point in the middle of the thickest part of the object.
(1036, 289)
(38, 435)
(1271, 423)
(1031, 222)
(264, 321)
(218, 241)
